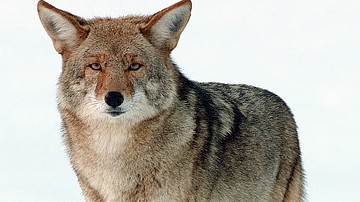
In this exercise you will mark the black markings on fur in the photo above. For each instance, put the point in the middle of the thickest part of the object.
(208, 158)
(223, 143)
(211, 116)
(185, 88)
(205, 113)
(213, 144)
(207, 120)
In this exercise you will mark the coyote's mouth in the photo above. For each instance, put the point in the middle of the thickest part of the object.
(114, 113)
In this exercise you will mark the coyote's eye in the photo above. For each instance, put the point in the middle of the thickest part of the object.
(95, 66)
(134, 66)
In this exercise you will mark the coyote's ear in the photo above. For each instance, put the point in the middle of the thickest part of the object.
(164, 28)
(66, 30)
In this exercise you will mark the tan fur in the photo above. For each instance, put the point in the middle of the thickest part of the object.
(137, 129)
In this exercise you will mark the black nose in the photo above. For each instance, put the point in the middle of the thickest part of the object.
(114, 99)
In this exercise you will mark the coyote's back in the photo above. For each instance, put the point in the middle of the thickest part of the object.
(137, 129)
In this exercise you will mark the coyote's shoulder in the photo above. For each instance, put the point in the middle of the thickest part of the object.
(136, 129)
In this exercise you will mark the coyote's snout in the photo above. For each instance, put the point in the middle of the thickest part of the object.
(114, 99)
(137, 129)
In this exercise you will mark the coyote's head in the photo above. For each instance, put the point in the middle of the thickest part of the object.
(116, 68)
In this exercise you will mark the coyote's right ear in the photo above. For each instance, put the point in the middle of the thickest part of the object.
(66, 30)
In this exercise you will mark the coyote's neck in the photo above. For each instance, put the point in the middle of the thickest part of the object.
(100, 137)
(108, 141)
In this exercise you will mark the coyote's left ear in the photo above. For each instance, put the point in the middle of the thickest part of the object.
(164, 28)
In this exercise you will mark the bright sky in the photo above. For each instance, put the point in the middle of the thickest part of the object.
(308, 52)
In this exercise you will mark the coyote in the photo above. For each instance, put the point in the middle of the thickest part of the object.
(137, 129)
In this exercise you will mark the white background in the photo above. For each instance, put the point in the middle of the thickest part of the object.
(308, 52)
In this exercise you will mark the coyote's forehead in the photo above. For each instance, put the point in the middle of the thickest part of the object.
(122, 26)
(113, 29)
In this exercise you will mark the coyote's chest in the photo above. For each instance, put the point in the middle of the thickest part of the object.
(105, 166)
(108, 141)
(116, 170)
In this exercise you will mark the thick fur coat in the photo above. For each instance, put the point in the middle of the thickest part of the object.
(137, 129)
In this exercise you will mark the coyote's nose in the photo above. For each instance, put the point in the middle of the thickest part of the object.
(114, 99)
